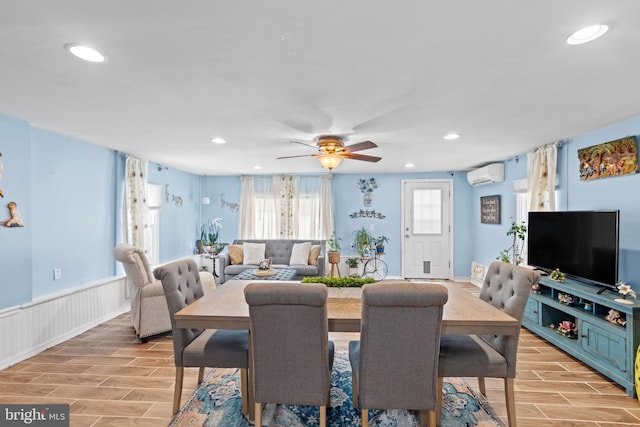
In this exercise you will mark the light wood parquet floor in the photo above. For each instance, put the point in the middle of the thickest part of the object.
(111, 379)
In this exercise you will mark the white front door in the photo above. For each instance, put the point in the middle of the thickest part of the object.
(426, 225)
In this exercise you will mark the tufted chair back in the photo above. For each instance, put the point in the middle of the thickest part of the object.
(182, 286)
(135, 264)
(507, 287)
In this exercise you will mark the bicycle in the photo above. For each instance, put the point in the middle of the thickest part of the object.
(375, 268)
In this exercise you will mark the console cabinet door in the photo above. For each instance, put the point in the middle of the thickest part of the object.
(604, 344)
(532, 311)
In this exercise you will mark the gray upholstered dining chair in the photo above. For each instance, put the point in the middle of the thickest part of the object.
(197, 347)
(507, 287)
(395, 363)
(292, 356)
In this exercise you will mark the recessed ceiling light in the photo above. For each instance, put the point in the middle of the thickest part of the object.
(257, 167)
(451, 135)
(587, 34)
(409, 165)
(85, 52)
(218, 140)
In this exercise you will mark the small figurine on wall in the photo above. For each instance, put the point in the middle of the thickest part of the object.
(15, 220)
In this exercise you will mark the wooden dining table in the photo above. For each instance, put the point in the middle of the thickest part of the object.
(464, 313)
(225, 308)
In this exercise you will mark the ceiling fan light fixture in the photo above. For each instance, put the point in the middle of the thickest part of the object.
(587, 34)
(329, 161)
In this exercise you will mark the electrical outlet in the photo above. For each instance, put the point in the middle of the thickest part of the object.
(57, 273)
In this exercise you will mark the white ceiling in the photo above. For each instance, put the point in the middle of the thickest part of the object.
(263, 73)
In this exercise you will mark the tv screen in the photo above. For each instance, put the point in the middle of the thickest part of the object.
(582, 244)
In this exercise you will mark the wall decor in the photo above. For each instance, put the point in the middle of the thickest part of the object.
(367, 186)
(367, 214)
(490, 209)
(613, 158)
(177, 200)
(15, 220)
(233, 207)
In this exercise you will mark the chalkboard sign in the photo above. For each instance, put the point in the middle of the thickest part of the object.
(490, 209)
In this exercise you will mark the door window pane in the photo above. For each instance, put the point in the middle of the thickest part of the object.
(427, 211)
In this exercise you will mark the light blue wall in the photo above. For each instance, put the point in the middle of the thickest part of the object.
(178, 222)
(16, 258)
(73, 211)
(69, 195)
(219, 189)
(387, 199)
(348, 199)
(621, 193)
(488, 240)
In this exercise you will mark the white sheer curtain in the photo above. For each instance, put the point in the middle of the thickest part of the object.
(541, 177)
(286, 207)
(136, 208)
(247, 208)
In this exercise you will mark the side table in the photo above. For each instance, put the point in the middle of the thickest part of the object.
(213, 259)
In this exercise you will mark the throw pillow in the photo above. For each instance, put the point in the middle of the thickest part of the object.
(314, 253)
(300, 253)
(235, 253)
(253, 253)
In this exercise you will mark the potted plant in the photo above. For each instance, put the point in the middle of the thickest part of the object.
(363, 241)
(353, 266)
(333, 248)
(380, 241)
(513, 253)
(210, 233)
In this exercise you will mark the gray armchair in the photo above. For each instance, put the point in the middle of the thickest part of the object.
(292, 356)
(395, 363)
(507, 287)
(196, 347)
(149, 313)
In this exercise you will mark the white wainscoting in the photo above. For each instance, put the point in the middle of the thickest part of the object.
(28, 329)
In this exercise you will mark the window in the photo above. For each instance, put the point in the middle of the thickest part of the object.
(286, 207)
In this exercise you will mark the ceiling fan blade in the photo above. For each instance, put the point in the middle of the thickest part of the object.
(291, 157)
(305, 143)
(364, 145)
(362, 157)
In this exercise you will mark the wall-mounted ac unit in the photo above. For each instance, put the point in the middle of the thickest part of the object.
(486, 174)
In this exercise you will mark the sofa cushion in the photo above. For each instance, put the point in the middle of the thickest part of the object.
(314, 253)
(235, 253)
(253, 253)
(300, 253)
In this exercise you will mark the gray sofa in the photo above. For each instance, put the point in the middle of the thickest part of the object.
(279, 250)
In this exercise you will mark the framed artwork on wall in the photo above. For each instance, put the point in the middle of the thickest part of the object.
(613, 158)
(490, 209)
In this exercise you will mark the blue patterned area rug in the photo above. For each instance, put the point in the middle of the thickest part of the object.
(218, 404)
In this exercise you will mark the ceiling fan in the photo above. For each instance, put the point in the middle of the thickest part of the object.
(331, 151)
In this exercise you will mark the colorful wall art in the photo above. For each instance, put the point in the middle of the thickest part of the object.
(614, 158)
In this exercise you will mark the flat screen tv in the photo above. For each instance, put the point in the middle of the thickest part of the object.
(582, 244)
